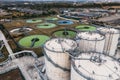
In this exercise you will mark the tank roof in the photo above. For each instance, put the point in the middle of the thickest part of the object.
(107, 69)
(108, 30)
(90, 36)
(60, 44)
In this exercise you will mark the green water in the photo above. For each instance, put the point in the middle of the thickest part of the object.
(46, 25)
(26, 41)
(86, 28)
(33, 20)
(50, 18)
(71, 34)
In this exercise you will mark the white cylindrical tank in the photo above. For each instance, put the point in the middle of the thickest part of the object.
(111, 40)
(57, 60)
(90, 41)
(90, 67)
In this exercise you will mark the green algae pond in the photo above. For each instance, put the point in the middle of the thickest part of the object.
(33, 41)
(64, 33)
(86, 28)
(33, 21)
(46, 25)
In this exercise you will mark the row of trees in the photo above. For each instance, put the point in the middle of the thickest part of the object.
(46, 6)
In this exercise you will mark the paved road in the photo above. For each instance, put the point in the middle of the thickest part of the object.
(22, 68)
(2, 37)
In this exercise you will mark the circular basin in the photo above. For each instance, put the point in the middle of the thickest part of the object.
(65, 22)
(64, 33)
(33, 20)
(33, 41)
(86, 28)
(21, 30)
(46, 25)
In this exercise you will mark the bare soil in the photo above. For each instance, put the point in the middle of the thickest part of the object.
(12, 75)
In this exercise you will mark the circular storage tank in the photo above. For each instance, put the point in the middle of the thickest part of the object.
(33, 41)
(90, 41)
(91, 67)
(57, 60)
(64, 33)
(111, 40)
(86, 28)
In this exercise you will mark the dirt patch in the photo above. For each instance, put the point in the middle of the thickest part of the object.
(12, 75)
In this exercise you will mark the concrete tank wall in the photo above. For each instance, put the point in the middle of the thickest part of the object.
(90, 41)
(55, 73)
(57, 60)
(111, 40)
(75, 75)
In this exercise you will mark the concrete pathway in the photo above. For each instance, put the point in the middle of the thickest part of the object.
(2, 37)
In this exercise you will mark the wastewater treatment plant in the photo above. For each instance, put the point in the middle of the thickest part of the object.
(59, 40)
